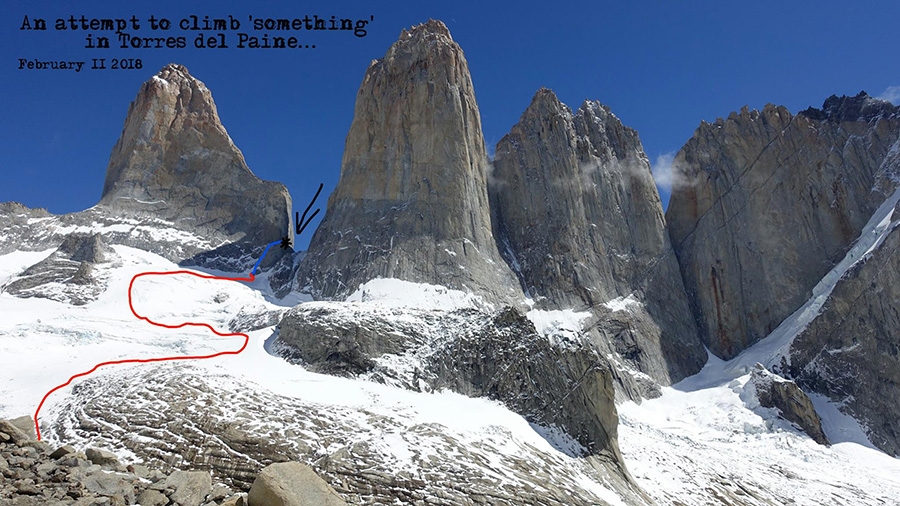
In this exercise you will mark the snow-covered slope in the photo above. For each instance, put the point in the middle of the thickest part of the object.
(234, 414)
(702, 441)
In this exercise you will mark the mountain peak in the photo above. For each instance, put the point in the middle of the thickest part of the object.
(176, 79)
(413, 180)
(426, 46)
(547, 97)
(432, 27)
(174, 71)
(582, 223)
(545, 93)
(861, 107)
(175, 161)
(544, 104)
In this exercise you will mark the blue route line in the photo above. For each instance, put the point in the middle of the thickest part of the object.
(253, 271)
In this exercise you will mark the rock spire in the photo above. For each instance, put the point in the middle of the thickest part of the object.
(412, 199)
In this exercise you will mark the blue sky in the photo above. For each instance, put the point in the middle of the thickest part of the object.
(661, 66)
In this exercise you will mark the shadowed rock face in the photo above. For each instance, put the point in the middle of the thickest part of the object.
(764, 203)
(84, 248)
(499, 355)
(582, 222)
(175, 162)
(412, 200)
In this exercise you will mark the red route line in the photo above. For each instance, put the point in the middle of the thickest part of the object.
(250, 277)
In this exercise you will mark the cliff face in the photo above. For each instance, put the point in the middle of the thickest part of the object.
(412, 199)
(582, 223)
(175, 162)
(766, 202)
(851, 351)
(413, 204)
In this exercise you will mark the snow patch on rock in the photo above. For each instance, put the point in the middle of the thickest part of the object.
(561, 327)
(396, 293)
(622, 303)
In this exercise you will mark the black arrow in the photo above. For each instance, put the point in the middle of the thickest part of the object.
(302, 222)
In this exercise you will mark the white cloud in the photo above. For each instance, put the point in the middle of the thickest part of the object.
(662, 171)
(891, 94)
(668, 174)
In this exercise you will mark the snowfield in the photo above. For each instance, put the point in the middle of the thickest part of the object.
(396, 293)
(703, 441)
(43, 343)
(706, 439)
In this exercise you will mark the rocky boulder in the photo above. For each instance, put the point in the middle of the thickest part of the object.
(582, 222)
(773, 391)
(34, 473)
(764, 185)
(117, 488)
(412, 199)
(26, 425)
(189, 488)
(292, 484)
(10, 432)
(101, 457)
